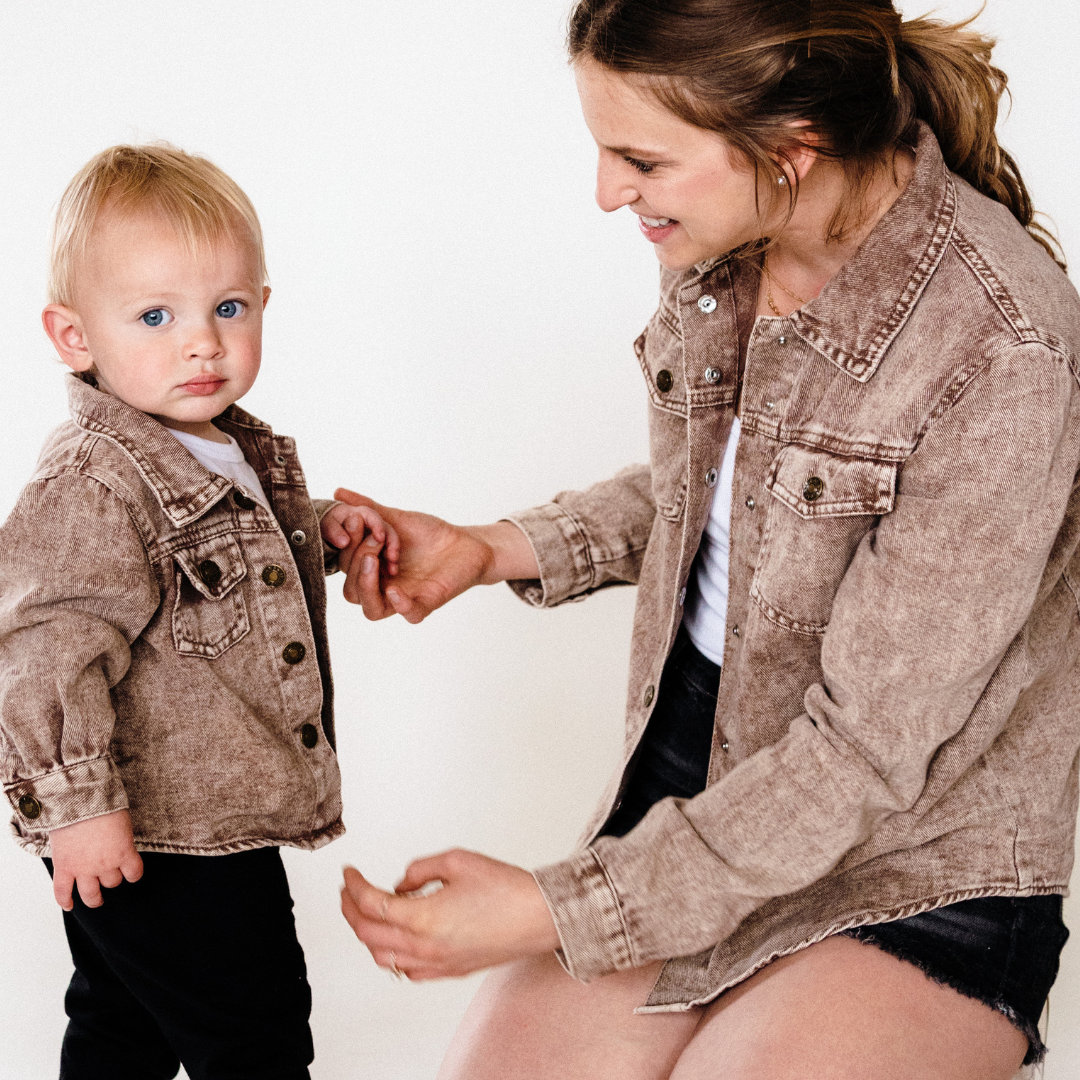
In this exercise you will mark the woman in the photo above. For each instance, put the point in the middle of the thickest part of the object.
(851, 731)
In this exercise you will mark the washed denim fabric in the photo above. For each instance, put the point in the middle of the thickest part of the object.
(197, 962)
(163, 641)
(896, 726)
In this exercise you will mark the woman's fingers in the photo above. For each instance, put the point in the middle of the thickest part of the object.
(422, 872)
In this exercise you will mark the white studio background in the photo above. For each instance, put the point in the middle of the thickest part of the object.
(450, 330)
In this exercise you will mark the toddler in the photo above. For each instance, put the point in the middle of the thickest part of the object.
(165, 697)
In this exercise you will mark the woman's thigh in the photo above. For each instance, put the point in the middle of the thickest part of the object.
(842, 1009)
(531, 1021)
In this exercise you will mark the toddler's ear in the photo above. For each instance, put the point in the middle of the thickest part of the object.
(65, 331)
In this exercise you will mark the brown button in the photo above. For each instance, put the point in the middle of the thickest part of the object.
(210, 572)
(29, 807)
(293, 653)
(814, 489)
(309, 735)
(650, 693)
(243, 501)
(664, 381)
(273, 576)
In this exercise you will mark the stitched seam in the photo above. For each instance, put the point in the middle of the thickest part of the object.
(775, 615)
(991, 284)
(65, 768)
(1072, 588)
(628, 943)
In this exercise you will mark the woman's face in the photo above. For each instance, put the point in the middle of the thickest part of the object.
(693, 195)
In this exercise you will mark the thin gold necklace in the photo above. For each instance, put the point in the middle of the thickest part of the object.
(768, 291)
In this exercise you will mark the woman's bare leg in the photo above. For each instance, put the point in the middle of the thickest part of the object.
(842, 1009)
(531, 1021)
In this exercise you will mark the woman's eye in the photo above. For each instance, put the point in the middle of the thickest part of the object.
(230, 309)
(157, 317)
(641, 166)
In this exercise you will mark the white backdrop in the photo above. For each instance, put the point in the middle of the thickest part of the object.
(450, 330)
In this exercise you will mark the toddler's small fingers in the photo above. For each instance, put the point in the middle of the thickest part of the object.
(132, 867)
(62, 885)
(90, 891)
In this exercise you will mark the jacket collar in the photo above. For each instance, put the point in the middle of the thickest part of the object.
(855, 318)
(183, 487)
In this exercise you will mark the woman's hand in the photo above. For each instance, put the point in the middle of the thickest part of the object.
(438, 561)
(486, 913)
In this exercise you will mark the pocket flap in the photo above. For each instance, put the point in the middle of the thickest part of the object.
(817, 484)
(213, 567)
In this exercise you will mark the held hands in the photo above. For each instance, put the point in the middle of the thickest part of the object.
(95, 854)
(438, 561)
(360, 533)
(486, 913)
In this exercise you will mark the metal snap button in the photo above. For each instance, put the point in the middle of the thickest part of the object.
(725, 746)
(770, 405)
(210, 572)
(735, 630)
(279, 458)
(650, 693)
(664, 381)
(712, 376)
(750, 503)
(707, 304)
(711, 477)
(782, 339)
(243, 501)
(29, 807)
(309, 735)
(682, 596)
(299, 538)
(273, 576)
(813, 489)
(293, 653)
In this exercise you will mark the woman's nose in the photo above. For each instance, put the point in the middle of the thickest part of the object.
(615, 186)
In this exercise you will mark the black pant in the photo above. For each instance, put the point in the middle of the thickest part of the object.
(197, 963)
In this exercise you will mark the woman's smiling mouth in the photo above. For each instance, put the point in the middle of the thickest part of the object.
(657, 229)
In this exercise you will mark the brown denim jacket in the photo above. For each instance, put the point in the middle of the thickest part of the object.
(163, 641)
(898, 722)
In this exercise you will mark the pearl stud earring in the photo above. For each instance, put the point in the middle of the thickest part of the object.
(781, 180)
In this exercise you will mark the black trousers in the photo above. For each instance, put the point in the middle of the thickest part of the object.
(196, 963)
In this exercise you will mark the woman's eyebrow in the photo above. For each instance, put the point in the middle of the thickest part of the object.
(635, 152)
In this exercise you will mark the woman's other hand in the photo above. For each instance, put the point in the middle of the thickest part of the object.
(438, 561)
(486, 913)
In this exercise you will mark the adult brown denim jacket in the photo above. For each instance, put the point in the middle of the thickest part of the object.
(163, 641)
(898, 721)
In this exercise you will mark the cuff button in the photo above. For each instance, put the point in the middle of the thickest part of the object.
(309, 735)
(29, 807)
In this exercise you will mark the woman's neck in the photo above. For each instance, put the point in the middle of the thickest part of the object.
(802, 260)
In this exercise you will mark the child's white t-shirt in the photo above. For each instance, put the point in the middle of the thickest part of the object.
(225, 459)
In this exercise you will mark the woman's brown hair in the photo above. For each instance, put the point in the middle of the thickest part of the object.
(853, 72)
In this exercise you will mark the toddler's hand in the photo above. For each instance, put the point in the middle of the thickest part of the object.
(96, 853)
(353, 527)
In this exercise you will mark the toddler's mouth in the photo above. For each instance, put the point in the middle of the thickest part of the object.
(203, 385)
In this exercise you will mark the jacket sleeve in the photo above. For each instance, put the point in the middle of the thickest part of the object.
(76, 589)
(588, 540)
(932, 606)
(330, 553)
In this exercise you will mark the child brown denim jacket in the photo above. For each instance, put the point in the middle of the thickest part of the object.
(898, 721)
(163, 641)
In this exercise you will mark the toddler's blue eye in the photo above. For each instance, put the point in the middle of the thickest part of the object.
(229, 310)
(157, 317)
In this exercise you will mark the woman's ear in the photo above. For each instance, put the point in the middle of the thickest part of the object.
(799, 159)
(65, 331)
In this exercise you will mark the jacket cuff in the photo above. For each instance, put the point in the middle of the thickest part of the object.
(561, 551)
(86, 790)
(587, 914)
(330, 553)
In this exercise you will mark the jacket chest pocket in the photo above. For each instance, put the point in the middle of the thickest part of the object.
(659, 351)
(209, 614)
(821, 508)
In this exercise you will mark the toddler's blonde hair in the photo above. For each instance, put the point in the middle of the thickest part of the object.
(192, 194)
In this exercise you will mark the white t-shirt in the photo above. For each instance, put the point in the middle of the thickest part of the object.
(705, 616)
(225, 459)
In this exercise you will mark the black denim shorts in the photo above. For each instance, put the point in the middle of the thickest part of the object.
(1000, 950)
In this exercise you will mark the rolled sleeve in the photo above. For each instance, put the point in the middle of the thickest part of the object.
(588, 540)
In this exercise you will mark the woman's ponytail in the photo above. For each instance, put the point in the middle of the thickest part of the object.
(956, 90)
(852, 71)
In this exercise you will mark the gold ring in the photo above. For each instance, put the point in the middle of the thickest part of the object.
(382, 910)
(394, 969)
